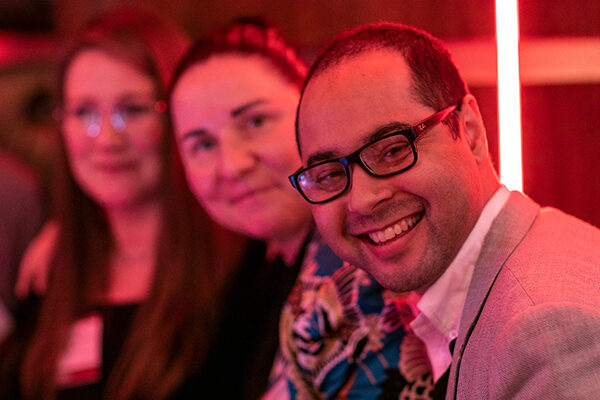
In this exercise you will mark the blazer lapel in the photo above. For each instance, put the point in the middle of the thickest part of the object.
(507, 231)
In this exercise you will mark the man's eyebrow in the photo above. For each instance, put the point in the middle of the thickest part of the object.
(240, 109)
(192, 134)
(386, 129)
(380, 131)
(321, 156)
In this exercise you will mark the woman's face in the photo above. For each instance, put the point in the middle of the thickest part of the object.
(112, 129)
(234, 122)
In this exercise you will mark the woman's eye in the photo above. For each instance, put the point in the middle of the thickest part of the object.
(202, 147)
(84, 111)
(256, 121)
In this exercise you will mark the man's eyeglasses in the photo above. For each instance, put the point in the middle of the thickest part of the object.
(386, 156)
(123, 117)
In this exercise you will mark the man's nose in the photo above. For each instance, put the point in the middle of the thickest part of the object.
(366, 191)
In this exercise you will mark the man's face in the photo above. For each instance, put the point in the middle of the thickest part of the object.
(434, 205)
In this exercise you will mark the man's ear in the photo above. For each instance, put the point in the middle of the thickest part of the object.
(472, 128)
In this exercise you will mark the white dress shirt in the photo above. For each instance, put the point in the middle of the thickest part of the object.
(442, 303)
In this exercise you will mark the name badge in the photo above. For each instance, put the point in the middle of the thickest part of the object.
(81, 362)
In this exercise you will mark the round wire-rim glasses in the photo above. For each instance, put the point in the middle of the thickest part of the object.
(90, 117)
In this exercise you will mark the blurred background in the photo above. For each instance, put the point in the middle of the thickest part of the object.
(560, 71)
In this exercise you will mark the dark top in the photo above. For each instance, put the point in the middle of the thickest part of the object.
(116, 320)
(239, 363)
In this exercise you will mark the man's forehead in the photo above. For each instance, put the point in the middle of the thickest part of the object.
(363, 64)
(356, 95)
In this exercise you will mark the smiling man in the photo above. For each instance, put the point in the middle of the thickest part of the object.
(396, 167)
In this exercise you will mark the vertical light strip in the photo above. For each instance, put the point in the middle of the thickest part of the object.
(509, 94)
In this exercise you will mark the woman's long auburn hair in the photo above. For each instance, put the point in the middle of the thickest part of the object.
(170, 333)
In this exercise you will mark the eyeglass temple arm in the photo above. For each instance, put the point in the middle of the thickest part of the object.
(434, 119)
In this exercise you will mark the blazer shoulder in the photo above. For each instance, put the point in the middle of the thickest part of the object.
(558, 259)
(548, 351)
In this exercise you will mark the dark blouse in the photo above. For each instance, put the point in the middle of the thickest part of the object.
(116, 320)
(240, 361)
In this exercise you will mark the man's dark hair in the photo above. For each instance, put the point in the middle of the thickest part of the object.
(436, 82)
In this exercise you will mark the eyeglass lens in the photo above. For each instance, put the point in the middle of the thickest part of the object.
(122, 117)
(383, 157)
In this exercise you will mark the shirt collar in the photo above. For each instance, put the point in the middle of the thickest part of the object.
(442, 303)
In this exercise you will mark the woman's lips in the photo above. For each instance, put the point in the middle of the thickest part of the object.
(249, 194)
(115, 166)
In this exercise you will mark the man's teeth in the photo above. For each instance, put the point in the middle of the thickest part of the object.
(392, 231)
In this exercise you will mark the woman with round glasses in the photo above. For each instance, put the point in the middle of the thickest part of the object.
(233, 105)
(131, 286)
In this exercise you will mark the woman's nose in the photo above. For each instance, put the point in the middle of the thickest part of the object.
(237, 159)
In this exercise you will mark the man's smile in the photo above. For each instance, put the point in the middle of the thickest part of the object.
(384, 236)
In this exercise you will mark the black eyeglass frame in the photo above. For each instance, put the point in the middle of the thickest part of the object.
(411, 135)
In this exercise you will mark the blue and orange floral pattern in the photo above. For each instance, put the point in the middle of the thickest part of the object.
(343, 336)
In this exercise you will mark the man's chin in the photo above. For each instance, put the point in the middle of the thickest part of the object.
(400, 275)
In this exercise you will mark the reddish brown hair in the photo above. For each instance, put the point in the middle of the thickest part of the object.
(169, 336)
(248, 36)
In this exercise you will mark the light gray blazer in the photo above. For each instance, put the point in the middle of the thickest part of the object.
(530, 328)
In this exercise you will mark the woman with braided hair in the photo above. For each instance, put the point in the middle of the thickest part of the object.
(233, 104)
